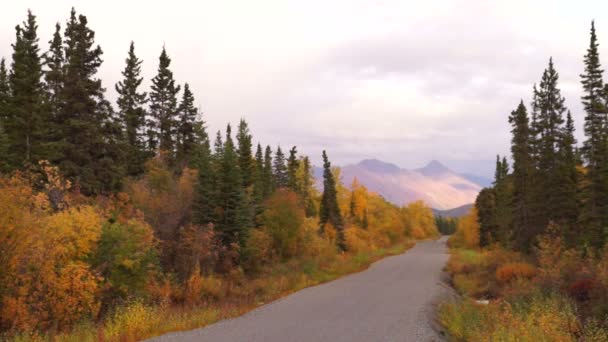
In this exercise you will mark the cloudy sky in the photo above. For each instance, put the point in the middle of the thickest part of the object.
(402, 81)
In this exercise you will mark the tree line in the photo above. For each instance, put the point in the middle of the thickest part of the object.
(553, 182)
(53, 107)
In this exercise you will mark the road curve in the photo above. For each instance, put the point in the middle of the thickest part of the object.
(391, 301)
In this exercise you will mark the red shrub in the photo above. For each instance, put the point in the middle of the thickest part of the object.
(513, 270)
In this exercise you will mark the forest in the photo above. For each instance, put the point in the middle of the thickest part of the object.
(121, 221)
(535, 246)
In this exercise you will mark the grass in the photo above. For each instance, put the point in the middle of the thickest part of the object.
(138, 321)
(520, 309)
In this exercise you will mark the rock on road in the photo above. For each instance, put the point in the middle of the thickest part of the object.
(393, 300)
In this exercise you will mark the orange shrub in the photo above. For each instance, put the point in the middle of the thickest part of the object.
(513, 270)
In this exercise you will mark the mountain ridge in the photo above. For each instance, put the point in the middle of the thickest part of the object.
(436, 184)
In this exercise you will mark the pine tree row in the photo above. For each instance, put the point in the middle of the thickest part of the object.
(552, 182)
(53, 107)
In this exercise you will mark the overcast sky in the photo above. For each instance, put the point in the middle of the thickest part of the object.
(402, 81)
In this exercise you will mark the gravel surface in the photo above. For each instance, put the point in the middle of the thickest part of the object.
(393, 300)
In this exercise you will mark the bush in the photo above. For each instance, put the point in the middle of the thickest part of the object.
(513, 270)
(282, 220)
(126, 258)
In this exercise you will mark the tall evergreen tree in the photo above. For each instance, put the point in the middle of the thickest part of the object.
(232, 221)
(163, 108)
(132, 114)
(524, 224)
(91, 153)
(26, 118)
(4, 101)
(245, 153)
(330, 211)
(186, 128)
(594, 215)
(567, 194)
(486, 211)
(205, 197)
(292, 169)
(503, 198)
(549, 132)
(306, 187)
(268, 179)
(5, 92)
(54, 61)
(280, 169)
(258, 184)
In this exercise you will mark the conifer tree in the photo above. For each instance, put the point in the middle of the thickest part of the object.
(26, 118)
(258, 184)
(523, 179)
(549, 132)
(292, 169)
(567, 194)
(5, 92)
(329, 211)
(245, 153)
(306, 187)
(132, 114)
(90, 142)
(53, 75)
(594, 215)
(4, 101)
(280, 169)
(232, 221)
(163, 108)
(205, 197)
(486, 207)
(503, 198)
(186, 128)
(268, 179)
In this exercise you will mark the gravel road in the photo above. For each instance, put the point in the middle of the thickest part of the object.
(393, 300)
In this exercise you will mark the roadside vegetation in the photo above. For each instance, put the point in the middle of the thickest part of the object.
(122, 222)
(531, 259)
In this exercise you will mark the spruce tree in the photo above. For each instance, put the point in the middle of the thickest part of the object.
(486, 212)
(594, 215)
(258, 184)
(132, 114)
(503, 197)
(549, 132)
(280, 169)
(26, 120)
(306, 187)
(524, 225)
(329, 211)
(205, 197)
(245, 153)
(186, 128)
(53, 75)
(232, 221)
(54, 61)
(5, 92)
(567, 194)
(90, 141)
(163, 108)
(292, 169)
(268, 179)
(4, 101)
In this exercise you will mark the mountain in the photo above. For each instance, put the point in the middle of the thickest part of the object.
(456, 212)
(435, 184)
